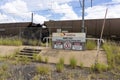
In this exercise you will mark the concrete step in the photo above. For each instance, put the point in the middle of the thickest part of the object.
(32, 49)
(28, 52)
(30, 57)
(24, 53)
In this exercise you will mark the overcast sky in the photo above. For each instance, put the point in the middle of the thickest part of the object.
(44, 10)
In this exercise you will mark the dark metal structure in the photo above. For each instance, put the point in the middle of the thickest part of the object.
(30, 30)
(26, 30)
(93, 27)
(13, 29)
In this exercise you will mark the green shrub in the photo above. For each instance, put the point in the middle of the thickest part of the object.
(46, 59)
(4, 67)
(37, 57)
(98, 67)
(32, 42)
(81, 65)
(112, 51)
(61, 60)
(42, 70)
(73, 62)
(117, 59)
(23, 59)
(10, 42)
(59, 67)
(36, 77)
(43, 44)
(90, 45)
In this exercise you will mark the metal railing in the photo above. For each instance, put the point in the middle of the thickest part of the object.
(95, 39)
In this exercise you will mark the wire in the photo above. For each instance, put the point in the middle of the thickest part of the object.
(91, 3)
(80, 3)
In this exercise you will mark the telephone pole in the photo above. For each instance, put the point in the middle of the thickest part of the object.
(83, 23)
(32, 17)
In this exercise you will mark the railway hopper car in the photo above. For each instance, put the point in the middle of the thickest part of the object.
(93, 27)
(26, 30)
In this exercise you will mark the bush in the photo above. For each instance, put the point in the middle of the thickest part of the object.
(81, 65)
(98, 67)
(112, 52)
(32, 42)
(24, 60)
(59, 67)
(46, 59)
(37, 58)
(73, 62)
(4, 67)
(42, 70)
(61, 61)
(90, 45)
(10, 42)
(117, 58)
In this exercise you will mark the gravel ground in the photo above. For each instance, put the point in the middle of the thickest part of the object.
(86, 57)
(28, 72)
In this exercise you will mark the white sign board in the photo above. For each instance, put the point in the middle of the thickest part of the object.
(68, 41)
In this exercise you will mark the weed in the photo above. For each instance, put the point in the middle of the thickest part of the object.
(32, 42)
(81, 65)
(113, 54)
(73, 62)
(46, 59)
(61, 60)
(4, 74)
(23, 60)
(99, 76)
(37, 57)
(36, 77)
(59, 67)
(90, 45)
(42, 70)
(43, 44)
(98, 67)
(9, 41)
(4, 67)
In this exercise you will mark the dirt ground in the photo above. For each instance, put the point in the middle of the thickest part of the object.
(86, 57)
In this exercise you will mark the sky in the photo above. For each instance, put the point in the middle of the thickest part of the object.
(45, 10)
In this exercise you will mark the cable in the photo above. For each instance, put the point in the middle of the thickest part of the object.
(91, 3)
(80, 3)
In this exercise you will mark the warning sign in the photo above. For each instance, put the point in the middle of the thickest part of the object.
(68, 41)
(67, 45)
(58, 45)
(77, 46)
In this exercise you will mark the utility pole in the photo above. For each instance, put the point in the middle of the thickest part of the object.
(83, 26)
(32, 18)
(83, 23)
